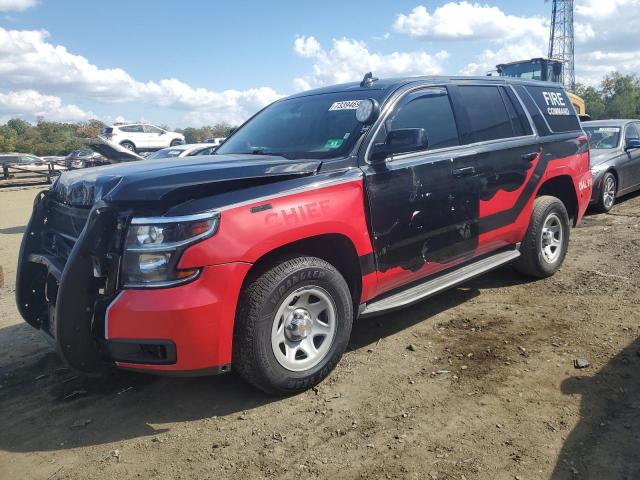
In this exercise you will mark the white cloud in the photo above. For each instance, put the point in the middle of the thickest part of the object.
(349, 59)
(16, 5)
(467, 21)
(30, 104)
(28, 60)
(606, 38)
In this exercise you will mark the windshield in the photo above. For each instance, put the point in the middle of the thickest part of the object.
(603, 137)
(318, 126)
(165, 153)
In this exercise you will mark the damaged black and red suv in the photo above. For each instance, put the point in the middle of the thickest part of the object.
(341, 202)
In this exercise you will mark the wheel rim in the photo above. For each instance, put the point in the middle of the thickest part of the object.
(609, 192)
(128, 146)
(552, 236)
(303, 328)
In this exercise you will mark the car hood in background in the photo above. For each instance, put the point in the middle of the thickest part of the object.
(601, 155)
(112, 151)
(176, 179)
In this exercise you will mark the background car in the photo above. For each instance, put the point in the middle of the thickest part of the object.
(216, 140)
(188, 150)
(139, 137)
(29, 162)
(615, 159)
(85, 155)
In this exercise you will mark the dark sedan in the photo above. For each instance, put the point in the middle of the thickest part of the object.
(615, 159)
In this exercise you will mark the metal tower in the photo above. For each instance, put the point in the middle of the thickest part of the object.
(561, 40)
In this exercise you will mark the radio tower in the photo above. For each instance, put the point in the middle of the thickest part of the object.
(561, 40)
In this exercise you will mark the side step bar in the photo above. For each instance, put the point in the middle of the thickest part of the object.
(443, 282)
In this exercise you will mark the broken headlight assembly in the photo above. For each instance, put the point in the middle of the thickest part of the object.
(153, 247)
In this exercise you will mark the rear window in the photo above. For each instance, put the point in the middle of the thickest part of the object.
(556, 108)
(487, 113)
(107, 131)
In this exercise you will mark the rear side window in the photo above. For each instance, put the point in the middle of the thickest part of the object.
(519, 120)
(487, 113)
(556, 108)
(429, 109)
(133, 129)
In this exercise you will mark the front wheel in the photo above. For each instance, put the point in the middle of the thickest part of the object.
(608, 193)
(545, 245)
(175, 142)
(292, 326)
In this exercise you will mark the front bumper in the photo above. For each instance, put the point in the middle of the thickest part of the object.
(597, 187)
(196, 318)
(75, 300)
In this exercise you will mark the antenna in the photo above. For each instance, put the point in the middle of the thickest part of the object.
(368, 80)
(561, 40)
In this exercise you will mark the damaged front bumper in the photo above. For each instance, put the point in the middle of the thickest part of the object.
(68, 287)
(67, 275)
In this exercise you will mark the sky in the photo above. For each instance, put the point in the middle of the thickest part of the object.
(193, 63)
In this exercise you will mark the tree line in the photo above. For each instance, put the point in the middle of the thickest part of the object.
(617, 96)
(57, 138)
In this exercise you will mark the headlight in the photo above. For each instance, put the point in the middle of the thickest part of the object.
(153, 247)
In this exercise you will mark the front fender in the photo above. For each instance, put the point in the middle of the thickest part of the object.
(248, 232)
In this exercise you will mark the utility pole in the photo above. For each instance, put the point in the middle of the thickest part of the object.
(561, 40)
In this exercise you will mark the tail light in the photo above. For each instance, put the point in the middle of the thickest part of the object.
(109, 136)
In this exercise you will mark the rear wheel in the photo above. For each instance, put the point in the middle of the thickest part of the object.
(293, 325)
(608, 193)
(129, 146)
(545, 244)
(175, 142)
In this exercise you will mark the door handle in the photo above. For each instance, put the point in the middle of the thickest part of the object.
(530, 157)
(464, 172)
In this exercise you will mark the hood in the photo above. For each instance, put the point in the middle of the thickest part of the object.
(175, 179)
(601, 155)
(111, 150)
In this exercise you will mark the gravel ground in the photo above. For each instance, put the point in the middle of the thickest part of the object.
(477, 383)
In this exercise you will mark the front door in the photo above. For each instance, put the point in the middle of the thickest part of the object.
(422, 195)
(631, 165)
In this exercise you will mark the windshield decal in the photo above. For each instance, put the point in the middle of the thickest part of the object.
(345, 105)
(608, 129)
(334, 143)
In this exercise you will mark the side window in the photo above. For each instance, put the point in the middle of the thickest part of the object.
(136, 129)
(152, 129)
(422, 120)
(487, 113)
(631, 131)
(556, 107)
(519, 120)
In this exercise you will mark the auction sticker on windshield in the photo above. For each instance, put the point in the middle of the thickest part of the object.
(334, 143)
(345, 105)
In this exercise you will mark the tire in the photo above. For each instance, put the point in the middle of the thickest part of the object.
(129, 146)
(271, 322)
(549, 217)
(175, 142)
(607, 198)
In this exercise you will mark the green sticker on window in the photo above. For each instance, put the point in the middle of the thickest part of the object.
(334, 143)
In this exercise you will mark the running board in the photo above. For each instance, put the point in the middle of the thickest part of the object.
(428, 288)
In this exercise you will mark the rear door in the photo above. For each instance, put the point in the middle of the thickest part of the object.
(422, 202)
(495, 125)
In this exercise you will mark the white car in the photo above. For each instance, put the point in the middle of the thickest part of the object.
(188, 150)
(139, 137)
(217, 141)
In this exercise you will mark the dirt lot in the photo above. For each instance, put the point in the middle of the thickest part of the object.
(487, 391)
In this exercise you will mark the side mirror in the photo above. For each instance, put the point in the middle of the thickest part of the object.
(402, 140)
(632, 143)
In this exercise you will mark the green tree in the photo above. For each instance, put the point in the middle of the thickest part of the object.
(594, 102)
